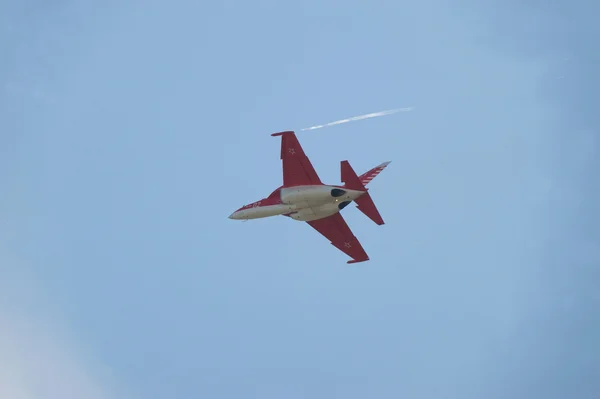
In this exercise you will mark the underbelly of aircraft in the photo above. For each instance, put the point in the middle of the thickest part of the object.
(310, 213)
(302, 203)
(314, 196)
(264, 211)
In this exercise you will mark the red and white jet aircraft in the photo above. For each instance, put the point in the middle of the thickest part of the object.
(305, 198)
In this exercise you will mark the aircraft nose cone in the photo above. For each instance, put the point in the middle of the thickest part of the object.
(237, 215)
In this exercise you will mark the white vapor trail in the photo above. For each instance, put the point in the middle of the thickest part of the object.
(361, 117)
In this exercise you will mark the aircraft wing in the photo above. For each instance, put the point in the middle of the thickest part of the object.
(336, 230)
(297, 169)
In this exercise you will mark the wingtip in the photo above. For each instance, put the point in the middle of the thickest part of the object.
(281, 133)
(356, 261)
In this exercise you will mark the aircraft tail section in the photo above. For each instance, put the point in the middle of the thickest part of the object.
(351, 181)
(366, 177)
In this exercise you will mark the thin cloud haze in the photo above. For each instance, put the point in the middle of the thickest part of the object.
(116, 195)
(558, 354)
(37, 359)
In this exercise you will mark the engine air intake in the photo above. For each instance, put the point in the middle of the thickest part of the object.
(344, 204)
(336, 192)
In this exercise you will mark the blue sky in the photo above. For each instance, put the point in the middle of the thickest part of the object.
(129, 131)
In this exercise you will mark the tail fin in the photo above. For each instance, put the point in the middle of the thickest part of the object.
(351, 181)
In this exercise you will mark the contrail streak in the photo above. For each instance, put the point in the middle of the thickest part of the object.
(360, 117)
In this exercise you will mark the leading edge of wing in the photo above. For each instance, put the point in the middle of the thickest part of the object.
(337, 231)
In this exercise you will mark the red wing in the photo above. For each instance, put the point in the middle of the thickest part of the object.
(297, 169)
(335, 229)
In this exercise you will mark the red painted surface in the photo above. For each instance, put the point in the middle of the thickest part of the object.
(298, 171)
(365, 204)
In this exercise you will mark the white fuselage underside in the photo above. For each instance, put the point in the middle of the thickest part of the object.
(303, 203)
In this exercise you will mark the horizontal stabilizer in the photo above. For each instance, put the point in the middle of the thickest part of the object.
(365, 204)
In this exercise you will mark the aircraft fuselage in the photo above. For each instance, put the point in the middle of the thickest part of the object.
(303, 203)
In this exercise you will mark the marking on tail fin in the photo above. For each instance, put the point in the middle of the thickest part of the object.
(366, 177)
